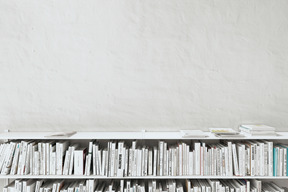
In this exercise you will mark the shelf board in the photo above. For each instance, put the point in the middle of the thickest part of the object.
(146, 177)
(130, 136)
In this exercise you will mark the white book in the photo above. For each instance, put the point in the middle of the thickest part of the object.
(61, 148)
(38, 185)
(186, 159)
(134, 161)
(155, 155)
(240, 160)
(168, 161)
(180, 157)
(247, 164)
(160, 164)
(206, 160)
(214, 156)
(130, 165)
(202, 158)
(40, 150)
(150, 162)
(243, 160)
(4, 153)
(226, 161)
(270, 158)
(235, 160)
(197, 155)
(142, 161)
(71, 161)
(52, 161)
(138, 162)
(281, 160)
(89, 160)
(104, 163)
(126, 162)
(99, 161)
(262, 168)
(79, 159)
(253, 160)
(31, 187)
(48, 146)
(265, 159)
(36, 163)
(257, 160)
(86, 164)
(22, 158)
(191, 163)
(115, 162)
(164, 158)
(175, 161)
(59, 151)
(91, 186)
(15, 159)
(27, 160)
(8, 160)
(230, 162)
(94, 159)
(66, 162)
(120, 163)
(32, 163)
(43, 159)
(109, 159)
(112, 159)
(145, 171)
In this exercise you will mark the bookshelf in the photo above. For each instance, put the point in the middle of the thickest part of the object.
(130, 136)
(149, 139)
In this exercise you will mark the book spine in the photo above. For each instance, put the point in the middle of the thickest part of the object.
(197, 158)
(275, 161)
(155, 161)
(235, 163)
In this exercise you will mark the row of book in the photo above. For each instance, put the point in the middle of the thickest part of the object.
(128, 159)
(209, 185)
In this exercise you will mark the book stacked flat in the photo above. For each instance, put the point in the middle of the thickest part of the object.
(255, 130)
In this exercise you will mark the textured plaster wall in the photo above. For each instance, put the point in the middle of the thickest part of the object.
(150, 64)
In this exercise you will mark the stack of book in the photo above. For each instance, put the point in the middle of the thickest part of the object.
(170, 185)
(255, 130)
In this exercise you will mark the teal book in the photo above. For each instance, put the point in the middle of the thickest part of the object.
(275, 157)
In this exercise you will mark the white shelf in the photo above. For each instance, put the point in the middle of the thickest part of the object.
(141, 177)
(130, 136)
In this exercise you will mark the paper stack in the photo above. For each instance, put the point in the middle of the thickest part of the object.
(255, 130)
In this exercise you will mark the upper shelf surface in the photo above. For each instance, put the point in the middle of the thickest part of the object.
(129, 135)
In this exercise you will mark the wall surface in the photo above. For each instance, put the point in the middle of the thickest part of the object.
(154, 64)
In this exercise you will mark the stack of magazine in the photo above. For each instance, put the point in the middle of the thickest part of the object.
(257, 130)
(225, 132)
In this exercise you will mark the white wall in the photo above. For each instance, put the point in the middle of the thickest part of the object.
(129, 64)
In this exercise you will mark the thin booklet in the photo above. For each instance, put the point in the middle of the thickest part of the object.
(225, 132)
(193, 133)
(61, 134)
